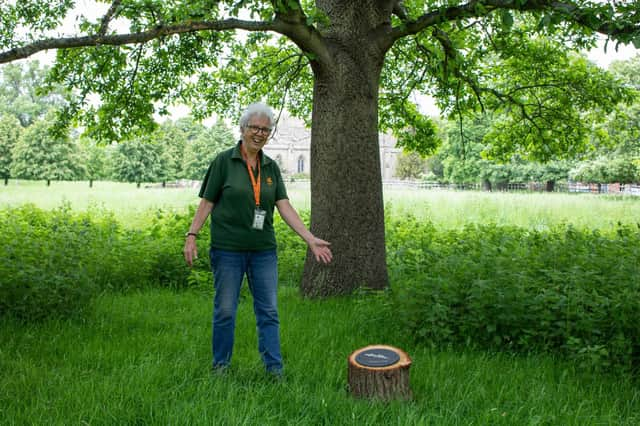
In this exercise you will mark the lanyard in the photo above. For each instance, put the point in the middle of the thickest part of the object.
(255, 183)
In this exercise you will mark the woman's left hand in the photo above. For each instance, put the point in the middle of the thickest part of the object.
(320, 249)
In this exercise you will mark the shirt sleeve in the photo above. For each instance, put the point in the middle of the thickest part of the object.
(213, 181)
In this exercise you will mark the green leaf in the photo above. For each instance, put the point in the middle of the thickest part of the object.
(507, 19)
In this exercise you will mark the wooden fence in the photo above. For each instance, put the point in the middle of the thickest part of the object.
(593, 188)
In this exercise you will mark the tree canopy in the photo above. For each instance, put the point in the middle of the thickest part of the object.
(494, 54)
(39, 154)
(9, 134)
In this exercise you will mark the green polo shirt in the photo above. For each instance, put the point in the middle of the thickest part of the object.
(228, 186)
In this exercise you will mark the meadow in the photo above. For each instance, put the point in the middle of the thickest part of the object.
(448, 209)
(141, 354)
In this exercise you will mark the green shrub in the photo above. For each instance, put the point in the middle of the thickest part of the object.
(54, 262)
(291, 251)
(568, 291)
(44, 267)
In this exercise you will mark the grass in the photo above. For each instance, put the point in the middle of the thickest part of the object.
(454, 209)
(130, 204)
(143, 358)
(448, 209)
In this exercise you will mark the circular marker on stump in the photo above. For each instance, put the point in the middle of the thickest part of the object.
(377, 357)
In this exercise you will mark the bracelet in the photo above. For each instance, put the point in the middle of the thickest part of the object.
(191, 233)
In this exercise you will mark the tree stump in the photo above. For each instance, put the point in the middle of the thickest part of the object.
(379, 372)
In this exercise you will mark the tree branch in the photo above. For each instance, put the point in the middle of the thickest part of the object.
(134, 74)
(305, 37)
(133, 38)
(478, 8)
(289, 11)
(399, 10)
(291, 78)
(107, 17)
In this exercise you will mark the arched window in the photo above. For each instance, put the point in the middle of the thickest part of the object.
(301, 164)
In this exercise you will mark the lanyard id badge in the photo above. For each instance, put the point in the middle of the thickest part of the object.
(259, 215)
(258, 219)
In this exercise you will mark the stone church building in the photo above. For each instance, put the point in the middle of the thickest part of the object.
(289, 146)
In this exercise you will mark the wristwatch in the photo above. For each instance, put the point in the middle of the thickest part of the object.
(191, 233)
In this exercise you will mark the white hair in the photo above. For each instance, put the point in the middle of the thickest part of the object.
(259, 109)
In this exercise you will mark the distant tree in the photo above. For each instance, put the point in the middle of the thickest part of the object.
(590, 171)
(494, 174)
(201, 150)
(21, 93)
(10, 131)
(410, 165)
(189, 127)
(623, 170)
(435, 168)
(94, 158)
(40, 155)
(461, 152)
(172, 141)
(618, 133)
(607, 170)
(465, 159)
(627, 71)
(549, 173)
(137, 160)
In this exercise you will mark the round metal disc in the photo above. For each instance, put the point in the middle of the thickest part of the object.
(377, 357)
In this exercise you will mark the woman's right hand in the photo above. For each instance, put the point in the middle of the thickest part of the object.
(190, 250)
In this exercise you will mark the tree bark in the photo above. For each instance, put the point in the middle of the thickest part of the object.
(347, 206)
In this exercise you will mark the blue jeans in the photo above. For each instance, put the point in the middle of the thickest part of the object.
(261, 268)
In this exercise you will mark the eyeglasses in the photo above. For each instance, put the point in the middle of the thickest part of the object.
(257, 129)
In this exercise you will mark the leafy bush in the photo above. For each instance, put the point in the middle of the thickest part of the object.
(44, 267)
(568, 291)
(54, 262)
(291, 251)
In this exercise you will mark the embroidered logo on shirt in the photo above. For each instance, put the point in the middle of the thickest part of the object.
(269, 180)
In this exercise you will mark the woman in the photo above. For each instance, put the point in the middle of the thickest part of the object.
(240, 190)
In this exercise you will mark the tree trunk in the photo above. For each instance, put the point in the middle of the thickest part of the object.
(48, 182)
(347, 208)
(550, 185)
(90, 183)
(6, 181)
(137, 184)
(384, 382)
(486, 185)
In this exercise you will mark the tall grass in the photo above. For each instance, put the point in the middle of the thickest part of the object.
(454, 209)
(447, 209)
(130, 204)
(143, 359)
